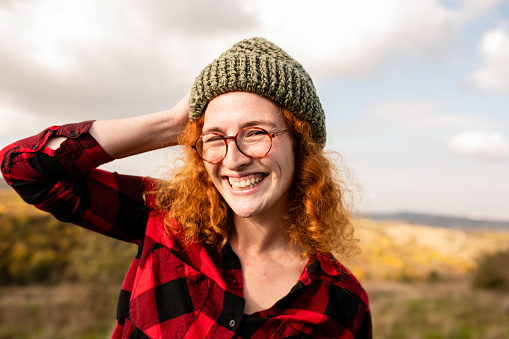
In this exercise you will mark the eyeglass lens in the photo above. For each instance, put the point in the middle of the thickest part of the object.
(252, 142)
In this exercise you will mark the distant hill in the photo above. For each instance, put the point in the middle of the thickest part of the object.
(405, 252)
(441, 221)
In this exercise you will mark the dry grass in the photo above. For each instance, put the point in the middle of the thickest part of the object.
(52, 312)
(400, 311)
(437, 310)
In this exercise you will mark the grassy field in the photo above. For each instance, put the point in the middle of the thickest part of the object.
(438, 310)
(400, 310)
(60, 311)
(419, 279)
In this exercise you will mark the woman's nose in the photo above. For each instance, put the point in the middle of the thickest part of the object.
(234, 158)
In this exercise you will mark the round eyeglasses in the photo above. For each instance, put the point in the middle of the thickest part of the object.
(253, 142)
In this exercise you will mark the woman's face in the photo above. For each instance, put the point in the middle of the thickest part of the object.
(266, 180)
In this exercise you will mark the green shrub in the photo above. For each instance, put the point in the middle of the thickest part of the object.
(39, 249)
(99, 260)
(34, 248)
(493, 271)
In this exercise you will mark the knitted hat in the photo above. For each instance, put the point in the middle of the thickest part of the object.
(259, 66)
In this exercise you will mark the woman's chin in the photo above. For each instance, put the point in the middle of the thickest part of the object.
(246, 209)
(244, 212)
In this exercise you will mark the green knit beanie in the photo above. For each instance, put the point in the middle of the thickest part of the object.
(259, 66)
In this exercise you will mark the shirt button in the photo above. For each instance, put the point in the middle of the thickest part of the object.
(35, 146)
(232, 323)
(73, 134)
(234, 281)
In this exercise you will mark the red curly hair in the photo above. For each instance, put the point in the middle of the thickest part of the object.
(317, 217)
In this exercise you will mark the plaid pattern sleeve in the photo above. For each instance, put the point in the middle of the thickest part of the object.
(66, 183)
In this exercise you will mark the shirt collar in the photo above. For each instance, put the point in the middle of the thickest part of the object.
(327, 263)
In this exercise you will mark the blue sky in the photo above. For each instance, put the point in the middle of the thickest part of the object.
(416, 93)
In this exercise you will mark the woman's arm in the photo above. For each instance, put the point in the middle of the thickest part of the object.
(56, 170)
(125, 137)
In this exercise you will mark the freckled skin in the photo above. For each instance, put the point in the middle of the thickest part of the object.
(228, 113)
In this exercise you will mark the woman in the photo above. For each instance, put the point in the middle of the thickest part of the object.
(238, 243)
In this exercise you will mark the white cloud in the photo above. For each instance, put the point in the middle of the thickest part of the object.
(354, 38)
(416, 113)
(493, 76)
(13, 122)
(98, 59)
(109, 57)
(402, 109)
(481, 145)
(472, 8)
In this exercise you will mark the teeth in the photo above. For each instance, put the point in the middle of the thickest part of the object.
(244, 184)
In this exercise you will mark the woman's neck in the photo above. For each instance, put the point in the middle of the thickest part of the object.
(258, 234)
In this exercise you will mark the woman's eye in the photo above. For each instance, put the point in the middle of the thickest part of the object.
(255, 132)
(210, 139)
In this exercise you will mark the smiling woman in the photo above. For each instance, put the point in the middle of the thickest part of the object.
(275, 170)
(238, 244)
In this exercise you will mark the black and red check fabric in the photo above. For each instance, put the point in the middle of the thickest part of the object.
(172, 290)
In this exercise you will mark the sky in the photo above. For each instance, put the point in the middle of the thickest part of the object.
(416, 93)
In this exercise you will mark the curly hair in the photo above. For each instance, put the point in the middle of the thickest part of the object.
(317, 217)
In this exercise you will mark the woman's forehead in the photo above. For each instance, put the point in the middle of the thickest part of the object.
(239, 109)
(265, 124)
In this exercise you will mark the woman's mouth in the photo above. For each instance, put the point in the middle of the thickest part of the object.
(245, 183)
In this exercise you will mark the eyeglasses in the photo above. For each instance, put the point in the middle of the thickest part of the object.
(253, 142)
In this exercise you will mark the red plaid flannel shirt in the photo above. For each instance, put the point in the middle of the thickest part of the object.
(172, 291)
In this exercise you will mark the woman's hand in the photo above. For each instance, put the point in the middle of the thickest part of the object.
(179, 115)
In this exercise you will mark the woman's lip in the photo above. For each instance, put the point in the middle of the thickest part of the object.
(245, 182)
(244, 175)
(246, 188)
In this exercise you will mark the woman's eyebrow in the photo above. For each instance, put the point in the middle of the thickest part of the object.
(251, 123)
